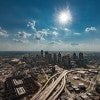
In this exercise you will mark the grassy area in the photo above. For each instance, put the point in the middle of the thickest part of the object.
(76, 82)
(86, 83)
(41, 78)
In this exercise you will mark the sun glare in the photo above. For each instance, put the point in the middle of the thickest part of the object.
(65, 17)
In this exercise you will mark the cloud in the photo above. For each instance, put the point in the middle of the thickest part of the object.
(20, 41)
(17, 40)
(74, 44)
(45, 32)
(38, 36)
(32, 24)
(41, 34)
(23, 35)
(3, 33)
(88, 29)
(55, 33)
(66, 29)
(52, 42)
(59, 42)
(54, 28)
(77, 33)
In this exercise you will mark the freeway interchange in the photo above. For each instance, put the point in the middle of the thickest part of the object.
(56, 84)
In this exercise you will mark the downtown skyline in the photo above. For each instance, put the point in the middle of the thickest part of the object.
(53, 25)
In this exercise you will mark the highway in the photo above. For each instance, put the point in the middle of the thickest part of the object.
(52, 91)
(58, 91)
(45, 92)
(46, 84)
(54, 87)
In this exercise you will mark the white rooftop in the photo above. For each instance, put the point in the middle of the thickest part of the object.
(20, 91)
(17, 82)
(15, 60)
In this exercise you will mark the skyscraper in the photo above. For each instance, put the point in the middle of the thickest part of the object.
(81, 61)
(50, 58)
(47, 57)
(41, 53)
(59, 58)
(74, 57)
(54, 58)
(80, 56)
(46, 54)
(66, 62)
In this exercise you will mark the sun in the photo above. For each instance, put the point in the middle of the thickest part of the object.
(65, 17)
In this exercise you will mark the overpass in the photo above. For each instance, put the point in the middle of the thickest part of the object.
(51, 90)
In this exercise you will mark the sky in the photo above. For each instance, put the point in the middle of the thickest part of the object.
(53, 25)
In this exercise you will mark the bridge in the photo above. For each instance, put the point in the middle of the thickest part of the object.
(54, 87)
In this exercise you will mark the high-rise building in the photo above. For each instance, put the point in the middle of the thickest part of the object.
(55, 58)
(74, 57)
(59, 58)
(80, 56)
(41, 53)
(66, 61)
(46, 54)
(50, 58)
(81, 61)
(47, 57)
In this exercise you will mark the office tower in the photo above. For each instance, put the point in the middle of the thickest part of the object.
(42, 53)
(46, 54)
(80, 56)
(66, 62)
(81, 61)
(59, 58)
(50, 58)
(74, 57)
(54, 58)
(47, 57)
